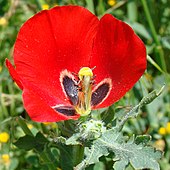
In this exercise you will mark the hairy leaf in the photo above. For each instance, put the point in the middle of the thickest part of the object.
(125, 152)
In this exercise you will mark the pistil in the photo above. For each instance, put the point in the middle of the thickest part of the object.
(83, 105)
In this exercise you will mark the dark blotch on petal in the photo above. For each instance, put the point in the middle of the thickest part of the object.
(66, 110)
(99, 94)
(70, 89)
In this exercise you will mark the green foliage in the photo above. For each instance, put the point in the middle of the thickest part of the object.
(87, 143)
(134, 151)
(139, 155)
(30, 142)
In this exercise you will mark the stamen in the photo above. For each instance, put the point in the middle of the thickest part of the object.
(84, 95)
(79, 91)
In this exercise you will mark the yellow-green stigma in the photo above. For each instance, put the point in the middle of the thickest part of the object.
(83, 106)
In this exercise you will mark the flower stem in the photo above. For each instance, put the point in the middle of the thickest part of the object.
(126, 117)
(155, 37)
(90, 5)
(74, 2)
(38, 4)
(45, 157)
(24, 127)
(134, 112)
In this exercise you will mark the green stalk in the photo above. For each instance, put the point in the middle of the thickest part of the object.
(12, 100)
(150, 22)
(90, 5)
(101, 9)
(134, 112)
(45, 157)
(132, 11)
(154, 64)
(3, 108)
(154, 34)
(38, 4)
(24, 127)
(74, 2)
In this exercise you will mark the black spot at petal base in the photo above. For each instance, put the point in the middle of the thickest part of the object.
(70, 89)
(66, 110)
(100, 93)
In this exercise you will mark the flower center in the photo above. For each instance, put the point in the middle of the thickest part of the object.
(78, 90)
(83, 105)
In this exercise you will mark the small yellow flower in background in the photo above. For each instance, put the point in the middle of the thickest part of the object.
(3, 21)
(111, 2)
(168, 128)
(55, 5)
(0, 68)
(4, 137)
(45, 6)
(5, 158)
(47, 123)
(50, 124)
(162, 131)
(59, 168)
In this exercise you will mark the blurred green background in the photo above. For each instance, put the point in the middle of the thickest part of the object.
(151, 21)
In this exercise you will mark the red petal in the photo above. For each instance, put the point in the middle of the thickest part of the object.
(118, 54)
(40, 111)
(51, 41)
(14, 74)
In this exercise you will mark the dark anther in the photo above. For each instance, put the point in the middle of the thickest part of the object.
(92, 82)
(94, 77)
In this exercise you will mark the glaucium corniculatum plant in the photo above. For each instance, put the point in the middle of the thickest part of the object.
(67, 63)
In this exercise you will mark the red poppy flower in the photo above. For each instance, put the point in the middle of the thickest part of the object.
(68, 62)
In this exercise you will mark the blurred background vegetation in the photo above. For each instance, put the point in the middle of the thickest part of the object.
(151, 21)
